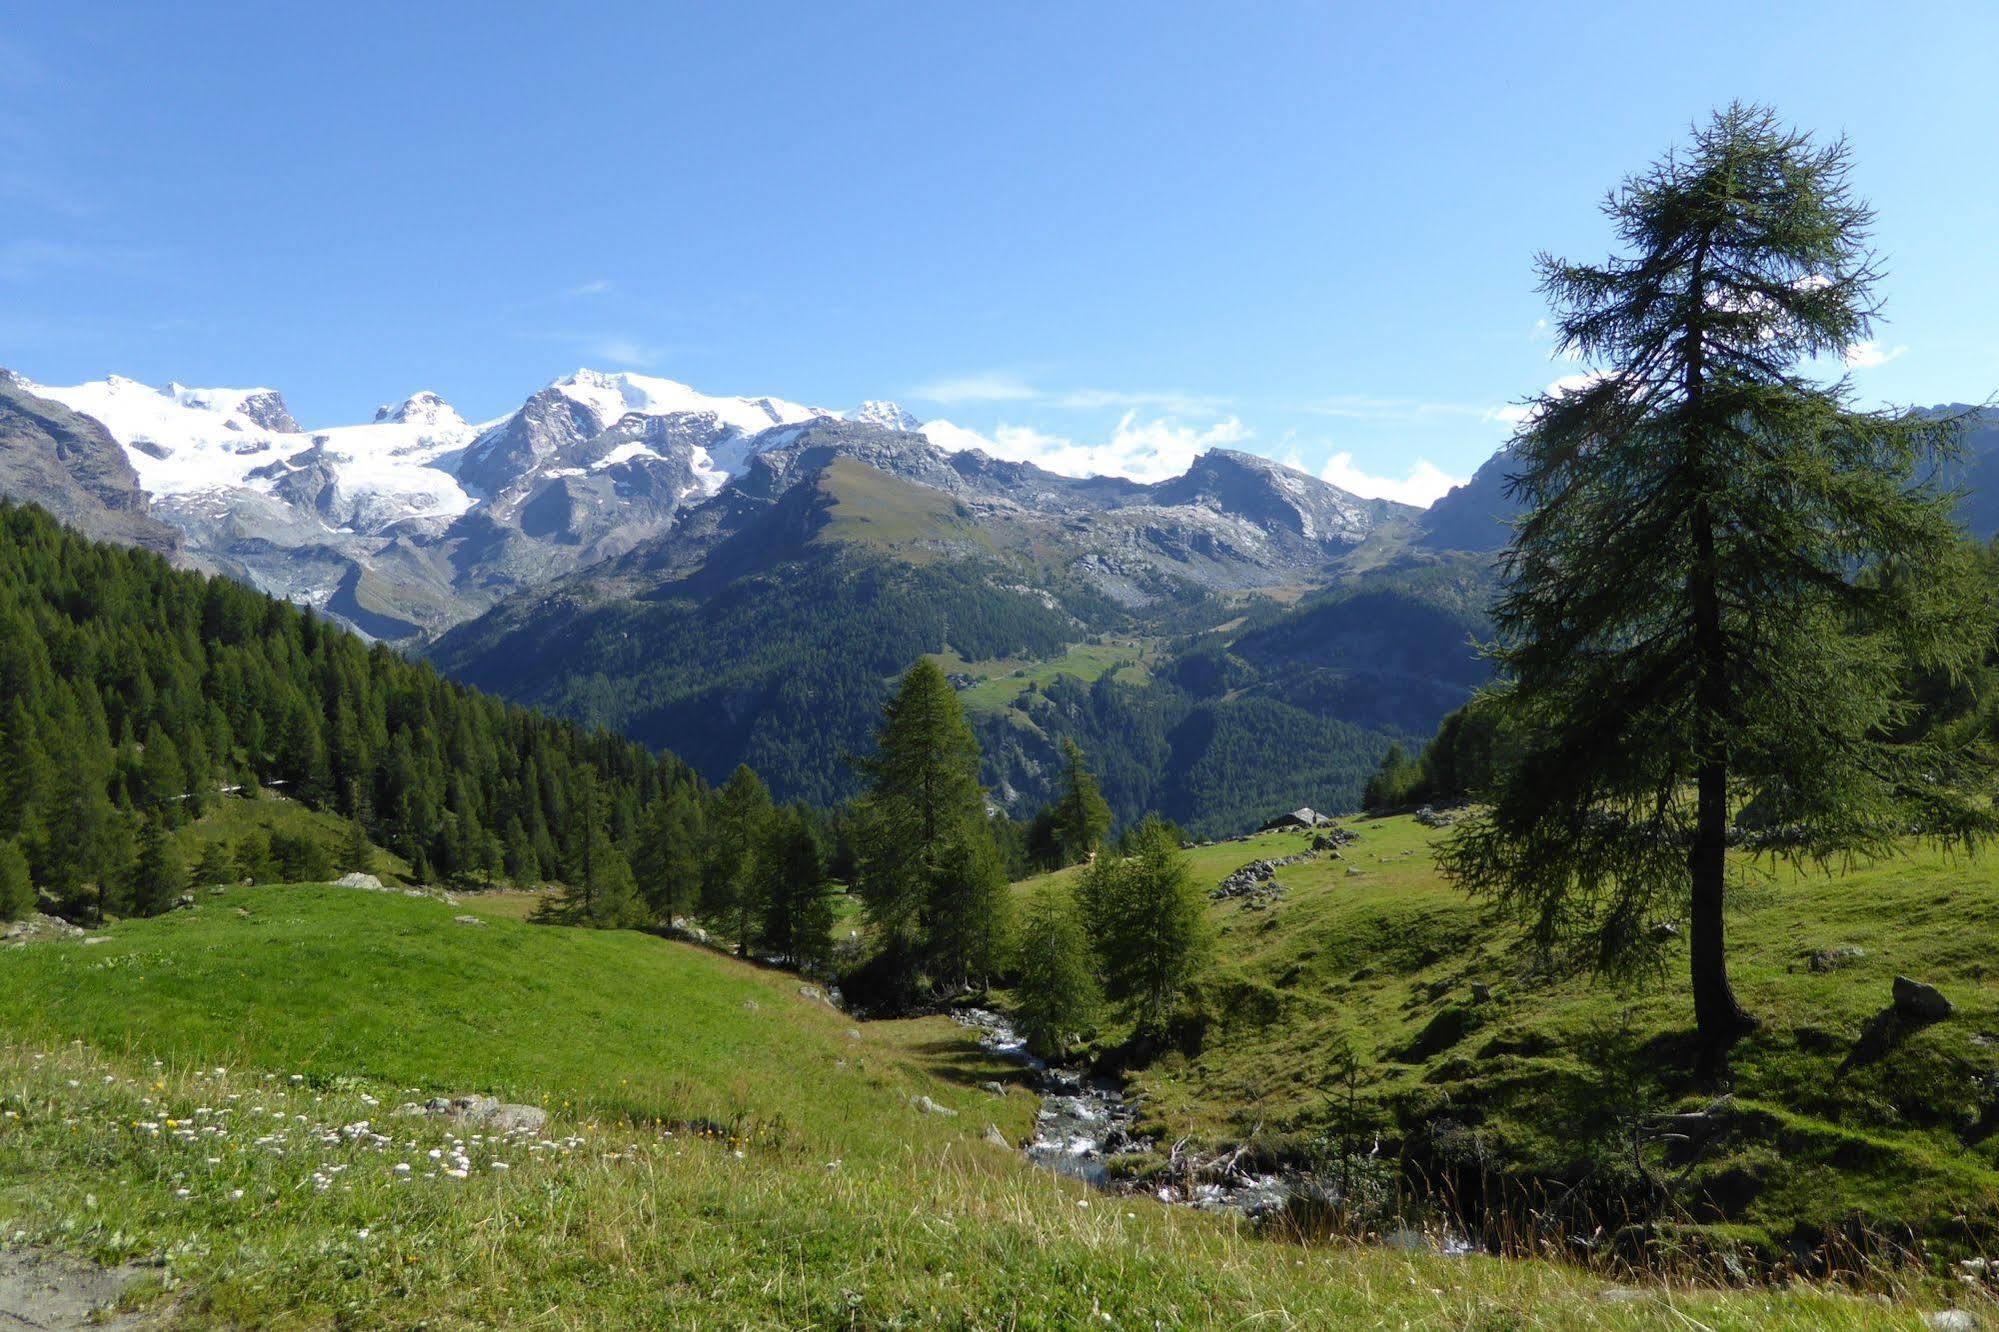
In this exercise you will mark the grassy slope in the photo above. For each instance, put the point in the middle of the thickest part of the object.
(278, 1015)
(229, 819)
(999, 683)
(1386, 960)
(870, 507)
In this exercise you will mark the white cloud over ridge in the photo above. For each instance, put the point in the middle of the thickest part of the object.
(1161, 447)
(1144, 450)
(1422, 485)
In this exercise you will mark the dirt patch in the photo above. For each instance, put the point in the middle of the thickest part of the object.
(39, 1289)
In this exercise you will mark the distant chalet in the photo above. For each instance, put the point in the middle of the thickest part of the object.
(1302, 817)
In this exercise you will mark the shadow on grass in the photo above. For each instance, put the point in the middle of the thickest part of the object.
(966, 1064)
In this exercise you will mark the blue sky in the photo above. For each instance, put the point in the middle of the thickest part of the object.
(1104, 234)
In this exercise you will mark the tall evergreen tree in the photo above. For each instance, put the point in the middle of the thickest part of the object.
(158, 876)
(968, 908)
(1702, 606)
(216, 865)
(17, 889)
(790, 867)
(1082, 818)
(729, 889)
(923, 794)
(1148, 923)
(668, 862)
(1055, 993)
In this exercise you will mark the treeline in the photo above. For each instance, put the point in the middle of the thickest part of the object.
(136, 694)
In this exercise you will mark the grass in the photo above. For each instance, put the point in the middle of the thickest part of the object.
(191, 1093)
(1000, 683)
(1545, 1078)
(871, 507)
(231, 818)
(332, 983)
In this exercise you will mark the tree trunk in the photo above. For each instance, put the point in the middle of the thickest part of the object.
(1718, 1018)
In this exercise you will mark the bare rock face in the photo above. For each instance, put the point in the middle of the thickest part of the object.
(267, 408)
(71, 466)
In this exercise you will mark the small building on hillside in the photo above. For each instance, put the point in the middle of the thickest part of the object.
(1302, 817)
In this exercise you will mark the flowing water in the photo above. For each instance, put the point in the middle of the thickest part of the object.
(1085, 1121)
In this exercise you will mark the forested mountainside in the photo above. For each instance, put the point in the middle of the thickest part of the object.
(771, 632)
(135, 692)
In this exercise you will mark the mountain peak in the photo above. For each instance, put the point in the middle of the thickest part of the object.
(420, 408)
(611, 394)
(877, 411)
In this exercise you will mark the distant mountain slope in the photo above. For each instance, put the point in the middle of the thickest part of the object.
(71, 466)
(418, 520)
(1479, 514)
(1980, 475)
(768, 626)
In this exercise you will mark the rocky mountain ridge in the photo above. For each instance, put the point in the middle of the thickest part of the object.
(418, 519)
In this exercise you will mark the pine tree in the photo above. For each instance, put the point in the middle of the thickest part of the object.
(612, 892)
(790, 868)
(729, 890)
(17, 889)
(73, 854)
(1148, 923)
(357, 856)
(968, 908)
(923, 793)
(162, 781)
(216, 866)
(1082, 818)
(253, 858)
(1055, 993)
(1704, 604)
(1394, 781)
(158, 877)
(668, 863)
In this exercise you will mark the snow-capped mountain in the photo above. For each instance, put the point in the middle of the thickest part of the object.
(417, 518)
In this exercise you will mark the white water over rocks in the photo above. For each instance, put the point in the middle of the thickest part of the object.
(1084, 1121)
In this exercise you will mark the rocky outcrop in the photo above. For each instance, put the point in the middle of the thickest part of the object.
(1919, 1002)
(71, 466)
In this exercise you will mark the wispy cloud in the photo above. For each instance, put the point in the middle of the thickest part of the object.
(43, 195)
(993, 386)
(988, 387)
(626, 351)
(594, 287)
(600, 347)
(1867, 355)
(1361, 407)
